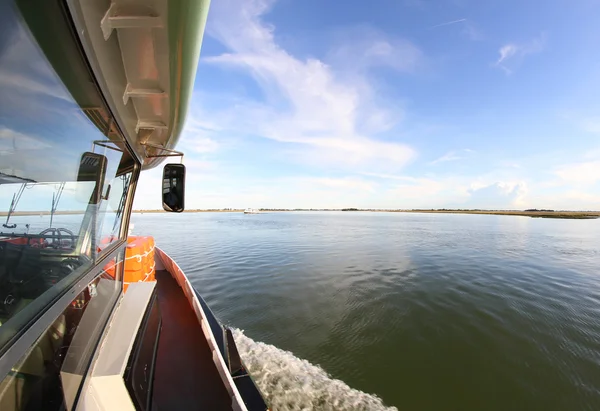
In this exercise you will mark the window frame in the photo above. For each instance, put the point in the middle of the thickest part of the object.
(18, 346)
(39, 322)
(21, 343)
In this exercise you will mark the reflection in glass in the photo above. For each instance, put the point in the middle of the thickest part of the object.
(49, 375)
(64, 176)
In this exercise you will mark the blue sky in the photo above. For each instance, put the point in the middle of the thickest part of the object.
(394, 104)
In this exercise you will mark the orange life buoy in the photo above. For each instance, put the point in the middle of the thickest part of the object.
(139, 260)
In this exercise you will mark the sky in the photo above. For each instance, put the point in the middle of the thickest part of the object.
(394, 104)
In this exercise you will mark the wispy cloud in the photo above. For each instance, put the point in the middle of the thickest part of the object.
(512, 54)
(453, 155)
(316, 106)
(448, 23)
(364, 47)
(506, 52)
(311, 125)
(472, 32)
(469, 30)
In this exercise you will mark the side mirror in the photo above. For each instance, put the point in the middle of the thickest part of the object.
(173, 188)
(92, 170)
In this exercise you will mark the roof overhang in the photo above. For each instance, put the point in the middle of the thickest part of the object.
(144, 55)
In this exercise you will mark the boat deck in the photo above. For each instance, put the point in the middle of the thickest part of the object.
(186, 377)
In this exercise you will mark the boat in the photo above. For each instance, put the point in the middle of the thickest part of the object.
(251, 211)
(91, 317)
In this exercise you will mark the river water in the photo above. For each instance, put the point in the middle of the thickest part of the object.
(369, 311)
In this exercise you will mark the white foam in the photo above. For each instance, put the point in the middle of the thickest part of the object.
(292, 384)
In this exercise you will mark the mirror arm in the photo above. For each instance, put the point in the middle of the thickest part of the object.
(170, 153)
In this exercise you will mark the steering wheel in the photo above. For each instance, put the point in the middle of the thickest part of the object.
(57, 236)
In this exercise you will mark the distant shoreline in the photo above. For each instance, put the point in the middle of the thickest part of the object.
(527, 213)
(579, 215)
(575, 215)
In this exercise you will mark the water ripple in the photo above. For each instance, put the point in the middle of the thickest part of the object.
(426, 312)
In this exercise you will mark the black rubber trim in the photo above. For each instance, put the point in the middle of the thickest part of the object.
(215, 326)
(250, 394)
(139, 373)
(226, 344)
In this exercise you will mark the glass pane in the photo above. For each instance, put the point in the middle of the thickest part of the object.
(64, 177)
(49, 376)
(115, 206)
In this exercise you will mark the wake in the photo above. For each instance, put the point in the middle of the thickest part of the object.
(292, 384)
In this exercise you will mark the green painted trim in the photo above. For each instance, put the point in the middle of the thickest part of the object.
(187, 21)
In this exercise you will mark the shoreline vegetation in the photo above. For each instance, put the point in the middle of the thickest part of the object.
(534, 213)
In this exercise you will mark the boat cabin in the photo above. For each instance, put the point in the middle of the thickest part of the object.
(92, 93)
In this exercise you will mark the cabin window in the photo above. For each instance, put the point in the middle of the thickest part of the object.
(50, 374)
(65, 171)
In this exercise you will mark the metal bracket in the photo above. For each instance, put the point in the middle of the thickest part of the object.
(170, 153)
(106, 144)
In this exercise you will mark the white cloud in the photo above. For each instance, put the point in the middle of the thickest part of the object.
(213, 189)
(453, 192)
(402, 191)
(500, 195)
(452, 156)
(575, 200)
(507, 51)
(324, 112)
(512, 54)
(328, 112)
(577, 174)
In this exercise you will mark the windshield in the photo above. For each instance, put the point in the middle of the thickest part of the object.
(64, 178)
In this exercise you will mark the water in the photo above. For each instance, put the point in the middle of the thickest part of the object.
(361, 311)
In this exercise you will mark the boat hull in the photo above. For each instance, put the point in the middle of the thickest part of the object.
(234, 376)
